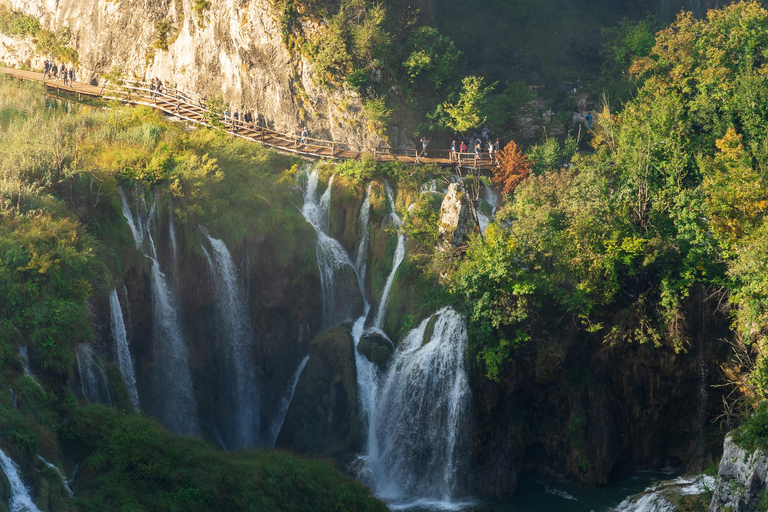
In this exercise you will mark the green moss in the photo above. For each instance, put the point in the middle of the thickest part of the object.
(753, 433)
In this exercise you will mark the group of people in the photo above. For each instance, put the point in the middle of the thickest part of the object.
(478, 144)
(156, 87)
(234, 120)
(51, 70)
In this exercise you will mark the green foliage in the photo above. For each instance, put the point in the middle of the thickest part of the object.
(377, 114)
(165, 33)
(552, 154)
(201, 8)
(130, 463)
(17, 24)
(433, 59)
(497, 294)
(470, 110)
(753, 433)
(622, 44)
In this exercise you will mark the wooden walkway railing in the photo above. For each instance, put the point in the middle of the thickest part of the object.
(194, 109)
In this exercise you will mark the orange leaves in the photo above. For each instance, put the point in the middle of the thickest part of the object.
(513, 168)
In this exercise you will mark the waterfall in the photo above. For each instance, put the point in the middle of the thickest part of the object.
(20, 500)
(285, 403)
(236, 342)
(421, 448)
(24, 356)
(363, 235)
(332, 259)
(413, 454)
(398, 259)
(64, 481)
(120, 337)
(93, 379)
(175, 405)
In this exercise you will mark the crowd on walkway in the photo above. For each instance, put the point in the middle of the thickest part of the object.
(479, 144)
(53, 71)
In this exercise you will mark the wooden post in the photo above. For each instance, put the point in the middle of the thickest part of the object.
(333, 150)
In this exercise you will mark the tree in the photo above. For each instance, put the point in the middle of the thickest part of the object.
(513, 168)
(470, 110)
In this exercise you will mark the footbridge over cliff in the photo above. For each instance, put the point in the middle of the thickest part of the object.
(194, 109)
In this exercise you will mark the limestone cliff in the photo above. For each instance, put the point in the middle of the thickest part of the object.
(234, 49)
(742, 480)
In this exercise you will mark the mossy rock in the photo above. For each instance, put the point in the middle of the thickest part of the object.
(429, 331)
(378, 349)
(322, 418)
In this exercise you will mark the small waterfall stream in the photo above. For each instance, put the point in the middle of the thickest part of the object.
(93, 379)
(175, 407)
(120, 337)
(64, 481)
(235, 338)
(397, 260)
(285, 402)
(20, 500)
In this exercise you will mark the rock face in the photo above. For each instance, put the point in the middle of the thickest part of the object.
(454, 218)
(234, 48)
(666, 496)
(741, 480)
(322, 418)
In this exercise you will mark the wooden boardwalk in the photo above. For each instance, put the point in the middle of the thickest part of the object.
(191, 108)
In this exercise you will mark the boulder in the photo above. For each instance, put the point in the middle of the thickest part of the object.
(455, 219)
(377, 348)
(322, 419)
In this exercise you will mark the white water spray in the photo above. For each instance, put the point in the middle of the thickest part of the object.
(175, 403)
(20, 500)
(236, 342)
(120, 337)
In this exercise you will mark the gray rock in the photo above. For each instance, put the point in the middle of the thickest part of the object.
(665, 496)
(454, 218)
(741, 479)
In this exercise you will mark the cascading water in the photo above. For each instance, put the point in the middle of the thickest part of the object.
(24, 356)
(120, 337)
(413, 454)
(64, 481)
(93, 379)
(174, 405)
(332, 259)
(363, 235)
(285, 402)
(235, 338)
(20, 500)
(421, 448)
(398, 259)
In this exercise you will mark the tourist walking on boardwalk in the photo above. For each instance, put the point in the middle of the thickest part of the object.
(248, 118)
(63, 73)
(46, 69)
(55, 71)
(152, 88)
(478, 147)
(71, 75)
(304, 135)
(236, 118)
(490, 151)
(453, 150)
(463, 147)
(160, 88)
(227, 122)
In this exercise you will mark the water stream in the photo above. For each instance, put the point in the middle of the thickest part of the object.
(235, 340)
(285, 402)
(175, 405)
(20, 500)
(64, 481)
(120, 337)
